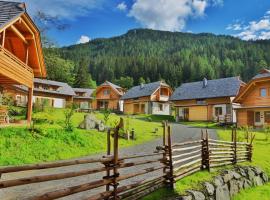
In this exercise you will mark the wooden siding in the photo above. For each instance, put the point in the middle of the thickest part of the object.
(211, 101)
(253, 98)
(198, 113)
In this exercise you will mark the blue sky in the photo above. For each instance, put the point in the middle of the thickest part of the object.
(90, 19)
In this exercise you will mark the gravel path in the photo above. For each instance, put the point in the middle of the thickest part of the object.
(180, 133)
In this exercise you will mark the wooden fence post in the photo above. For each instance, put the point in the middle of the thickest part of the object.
(171, 178)
(108, 154)
(116, 158)
(250, 148)
(234, 146)
(205, 150)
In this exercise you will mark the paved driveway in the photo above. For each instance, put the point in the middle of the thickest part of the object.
(180, 133)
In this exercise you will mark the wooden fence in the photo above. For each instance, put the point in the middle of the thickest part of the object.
(169, 163)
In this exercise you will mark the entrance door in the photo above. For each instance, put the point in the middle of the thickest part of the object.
(186, 114)
(259, 118)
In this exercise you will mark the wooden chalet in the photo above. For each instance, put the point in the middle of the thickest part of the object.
(207, 100)
(151, 98)
(21, 57)
(83, 98)
(46, 92)
(108, 97)
(255, 101)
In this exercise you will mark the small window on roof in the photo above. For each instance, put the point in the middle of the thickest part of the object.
(263, 92)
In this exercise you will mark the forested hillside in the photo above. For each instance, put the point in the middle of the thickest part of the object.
(149, 55)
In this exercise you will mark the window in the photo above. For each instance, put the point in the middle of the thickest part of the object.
(160, 107)
(201, 102)
(218, 111)
(263, 92)
(267, 116)
(106, 92)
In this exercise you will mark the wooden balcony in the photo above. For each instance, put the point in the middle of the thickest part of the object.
(13, 70)
(163, 98)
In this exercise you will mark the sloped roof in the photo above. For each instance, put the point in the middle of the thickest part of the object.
(88, 93)
(63, 88)
(224, 87)
(143, 90)
(263, 75)
(10, 10)
(111, 84)
(117, 88)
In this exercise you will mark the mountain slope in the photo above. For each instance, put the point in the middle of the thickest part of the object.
(173, 56)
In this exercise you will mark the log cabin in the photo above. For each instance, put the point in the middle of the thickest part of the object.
(108, 97)
(207, 100)
(255, 101)
(83, 98)
(151, 98)
(46, 92)
(21, 57)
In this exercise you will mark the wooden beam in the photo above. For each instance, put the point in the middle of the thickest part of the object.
(26, 53)
(19, 34)
(29, 105)
(3, 39)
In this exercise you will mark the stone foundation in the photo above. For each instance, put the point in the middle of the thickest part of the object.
(228, 183)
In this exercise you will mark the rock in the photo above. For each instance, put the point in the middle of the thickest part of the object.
(240, 184)
(264, 177)
(247, 184)
(218, 181)
(196, 195)
(101, 126)
(222, 193)
(257, 180)
(257, 170)
(236, 175)
(188, 197)
(233, 187)
(210, 189)
(242, 171)
(227, 177)
(251, 174)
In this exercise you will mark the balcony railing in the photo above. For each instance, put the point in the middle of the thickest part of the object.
(163, 98)
(15, 59)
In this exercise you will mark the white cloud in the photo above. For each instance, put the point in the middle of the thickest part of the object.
(122, 6)
(254, 30)
(235, 27)
(64, 9)
(168, 15)
(217, 2)
(83, 39)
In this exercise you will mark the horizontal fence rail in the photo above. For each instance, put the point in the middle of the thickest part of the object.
(131, 177)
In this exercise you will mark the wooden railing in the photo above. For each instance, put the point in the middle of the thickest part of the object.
(15, 59)
(147, 171)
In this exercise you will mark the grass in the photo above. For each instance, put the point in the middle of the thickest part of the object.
(19, 146)
(261, 157)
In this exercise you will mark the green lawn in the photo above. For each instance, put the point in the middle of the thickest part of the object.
(19, 146)
(261, 158)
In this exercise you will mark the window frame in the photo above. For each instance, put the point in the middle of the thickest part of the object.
(265, 92)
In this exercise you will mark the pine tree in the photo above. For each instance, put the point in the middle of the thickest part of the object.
(83, 78)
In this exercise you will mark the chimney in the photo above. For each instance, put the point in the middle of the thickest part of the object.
(204, 82)
(142, 86)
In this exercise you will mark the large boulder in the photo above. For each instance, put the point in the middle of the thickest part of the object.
(91, 122)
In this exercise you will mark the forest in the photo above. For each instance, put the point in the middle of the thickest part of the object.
(144, 55)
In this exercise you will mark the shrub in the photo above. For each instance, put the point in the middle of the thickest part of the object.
(68, 116)
(106, 115)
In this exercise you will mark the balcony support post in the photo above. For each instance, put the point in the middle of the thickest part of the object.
(29, 105)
